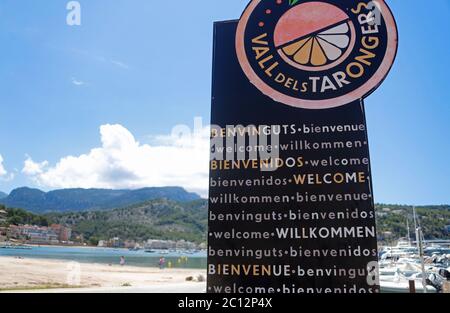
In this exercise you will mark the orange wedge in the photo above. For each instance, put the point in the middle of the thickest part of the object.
(321, 48)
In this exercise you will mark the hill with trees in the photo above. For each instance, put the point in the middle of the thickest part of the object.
(156, 219)
(22, 217)
(393, 219)
(174, 220)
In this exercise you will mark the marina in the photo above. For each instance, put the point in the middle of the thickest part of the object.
(415, 266)
(401, 264)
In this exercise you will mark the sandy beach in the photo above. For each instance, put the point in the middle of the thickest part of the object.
(33, 274)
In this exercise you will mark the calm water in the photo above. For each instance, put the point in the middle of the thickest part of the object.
(110, 256)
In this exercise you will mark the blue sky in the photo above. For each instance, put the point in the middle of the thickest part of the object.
(138, 73)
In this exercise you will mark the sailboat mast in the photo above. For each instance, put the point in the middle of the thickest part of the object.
(419, 241)
(415, 217)
(409, 231)
(421, 256)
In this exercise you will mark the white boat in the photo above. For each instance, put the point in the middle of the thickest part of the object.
(401, 250)
(403, 287)
(12, 246)
(403, 263)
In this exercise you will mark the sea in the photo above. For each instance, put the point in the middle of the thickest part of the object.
(141, 258)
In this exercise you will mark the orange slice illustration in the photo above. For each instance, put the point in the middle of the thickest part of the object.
(320, 48)
(314, 35)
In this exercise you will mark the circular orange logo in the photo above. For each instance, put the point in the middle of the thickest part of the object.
(316, 54)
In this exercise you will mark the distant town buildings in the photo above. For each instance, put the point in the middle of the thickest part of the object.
(3, 215)
(64, 233)
(32, 234)
(3, 228)
(131, 244)
(170, 244)
(150, 244)
(116, 243)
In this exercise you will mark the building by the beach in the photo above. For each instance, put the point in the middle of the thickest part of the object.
(170, 244)
(33, 234)
(40, 235)
(3, 216)
(64, 233)
(3, 228)
(116, 242)
(160, 244)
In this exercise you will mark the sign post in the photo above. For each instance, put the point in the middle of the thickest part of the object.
(291, 205)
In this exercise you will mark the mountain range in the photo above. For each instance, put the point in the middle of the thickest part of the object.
(76, 200)
(3, 195)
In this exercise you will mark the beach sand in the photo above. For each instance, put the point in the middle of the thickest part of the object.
(30, 274)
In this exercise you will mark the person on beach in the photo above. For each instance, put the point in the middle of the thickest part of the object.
(122, 261)
(162, 262)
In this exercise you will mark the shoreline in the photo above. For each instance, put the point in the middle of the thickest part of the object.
(108, 256)
(60, 246)
(65, 246)
(30, 274)
(88, 247)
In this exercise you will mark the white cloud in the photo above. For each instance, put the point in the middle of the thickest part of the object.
(101, 58)
(4, 175)
(122, 162)
(120, 64)
(3, 171)
(32, 168)
(77, 82)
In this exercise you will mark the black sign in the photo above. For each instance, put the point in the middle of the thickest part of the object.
(291, 204)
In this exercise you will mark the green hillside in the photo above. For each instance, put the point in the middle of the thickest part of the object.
(22, 217)
(433, 219)
(157, 219)
(172, 220)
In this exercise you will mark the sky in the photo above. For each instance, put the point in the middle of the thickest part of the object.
(95, 105)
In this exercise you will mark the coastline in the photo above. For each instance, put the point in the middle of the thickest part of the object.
(28, 274)
(63, 246)
(107, 256)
